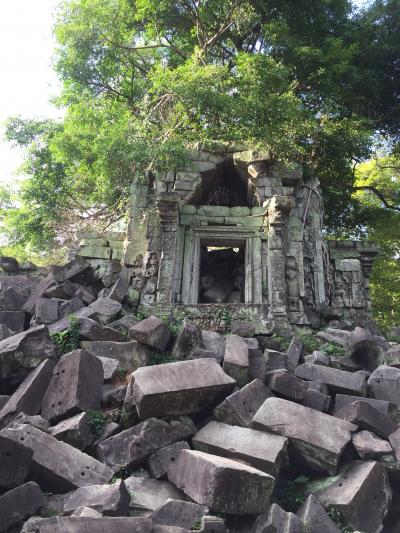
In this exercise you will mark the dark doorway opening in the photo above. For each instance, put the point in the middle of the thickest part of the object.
(222, 273)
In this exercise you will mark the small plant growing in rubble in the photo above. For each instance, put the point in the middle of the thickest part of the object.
(69, 339)
(97, 421)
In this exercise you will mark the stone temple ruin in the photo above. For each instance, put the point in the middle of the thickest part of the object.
(236, 231)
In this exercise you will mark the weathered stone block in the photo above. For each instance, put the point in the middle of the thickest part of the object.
(236, 359)
(134, 445)
(338, 381)
(383, 406)
(285, 384)
(11, 299)
(37, 292)
(57, 466)
(188, 339)
(65, 291)
(105, 309)
(180, 388)
(318, 358)
(315, 518)
(15, 463)
(369, 446)
(394, 440)
(276, 520)
(384, 384)
(160, 461)
(72, 269)
(179, 514)
(109, 500)
(275, 360)
(95, 251)
(150, 494)
(75, 431)
(19, 504)
(221, 484)
(14, 320)
(119, 289)
(93, 331)
(152, 331)
(362, 494)
(294, 353)
(317, 439)
(46, 311)
(70, 307)
(261, 450)
(214, 342)
(86, 524)
(76, 385)
(239, 408)
(110, 368)
(367, 417)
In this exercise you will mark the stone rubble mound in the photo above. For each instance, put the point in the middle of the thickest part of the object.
(114, 423)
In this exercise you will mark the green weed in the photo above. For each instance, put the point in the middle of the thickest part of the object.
(69, 339)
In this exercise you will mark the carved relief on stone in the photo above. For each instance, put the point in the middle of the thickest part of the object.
(279, 209)
(293, 284)
(150, 275)
(309, 289)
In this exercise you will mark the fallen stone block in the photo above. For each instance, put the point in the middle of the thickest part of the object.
(123, 324)
(131, 355)
(178, 513)
(28, 397)
(187, 340)
(114, 396)
(221, 484)
(86, 524)
(366, 349)
(315, 518)
(394, 440)
(159, 461)
(236, 359)
(8, 264)
(317, 439)
(3, 400)
(110, 368)
(56, 466)
(239, 408)
(257, 364)
(65, 291)
(75, 431)
(37, 292)
(185, 387)
(76, 385)
(109, 500)
(86, 294)
(19, 504)
(93, 331)
(283, 383)
(86, 511)
(384, 384)
(15, 463)
(243, 328)
(152, 331)
(119, 290)
(5, 332)
(264, 451)
(383, 406)
(212, 524)
(314, 399)
(338, 381)
(214, 342)
(70, 307)
(134, 445)
(46, 311)
(149, 494)
(32, 420)
(105, 310)
(275, 360)
(276, 520)
(11, 299)
(318, 358)
(294, 353)
(362, 494)
(367, 417)
(71, 270)
(25, 351)
(369, 446)
(14, 321)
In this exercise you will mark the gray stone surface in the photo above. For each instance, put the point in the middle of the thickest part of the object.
(367, 417)
(109, 500)
(131, 355)
(57, 466)
(236, 359)
(264, 451)
(76, 385)
(19, 504)
(187, 340)
(384, 384)
(318, 358)
(28, 397)
(64, 291)
(294, 353)
(105, 310)
(212, 524)
(383, 406)
(184, 387)
(370, 446)
(5, 332)
(15, 463)
(283, 383)
(86, 524)
(75, 431)
(276, 520)
(178, 513)
(317, 439)
(11, 299)
(159, 462)
(315, 399)
(93, 331)
(119, 290)
(394, 440)
(46, 311)
(37, 292)
(275, 360)
(221, 484)
(71, 270)
(152, 331)
(149, 494)
(214, 342)
(14, 320)
(315, 518)
(110, 368)
(134, 445)
(362, 494)
(239, 408)
(338, 381)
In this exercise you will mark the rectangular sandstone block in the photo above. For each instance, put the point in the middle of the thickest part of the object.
(339, 381)
(188, 210)
(213, 211)
(318, 440)
(239, 211)
(180, 388)
(95, 251)
(221, 484)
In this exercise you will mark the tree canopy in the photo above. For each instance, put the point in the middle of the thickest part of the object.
(315, 82)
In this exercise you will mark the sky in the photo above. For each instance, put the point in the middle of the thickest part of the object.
(27, 80)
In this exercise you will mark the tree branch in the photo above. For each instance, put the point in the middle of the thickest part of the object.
(377, 193)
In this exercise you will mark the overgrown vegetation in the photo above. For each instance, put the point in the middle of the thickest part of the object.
(337, 517)
(293, 494)
(68, 339)
(97, 421)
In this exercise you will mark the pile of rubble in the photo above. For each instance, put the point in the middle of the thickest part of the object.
(232, 433)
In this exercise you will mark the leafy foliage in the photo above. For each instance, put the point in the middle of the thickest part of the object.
(294, 494)
(68, 339)
(97, 421)
(337, 517)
